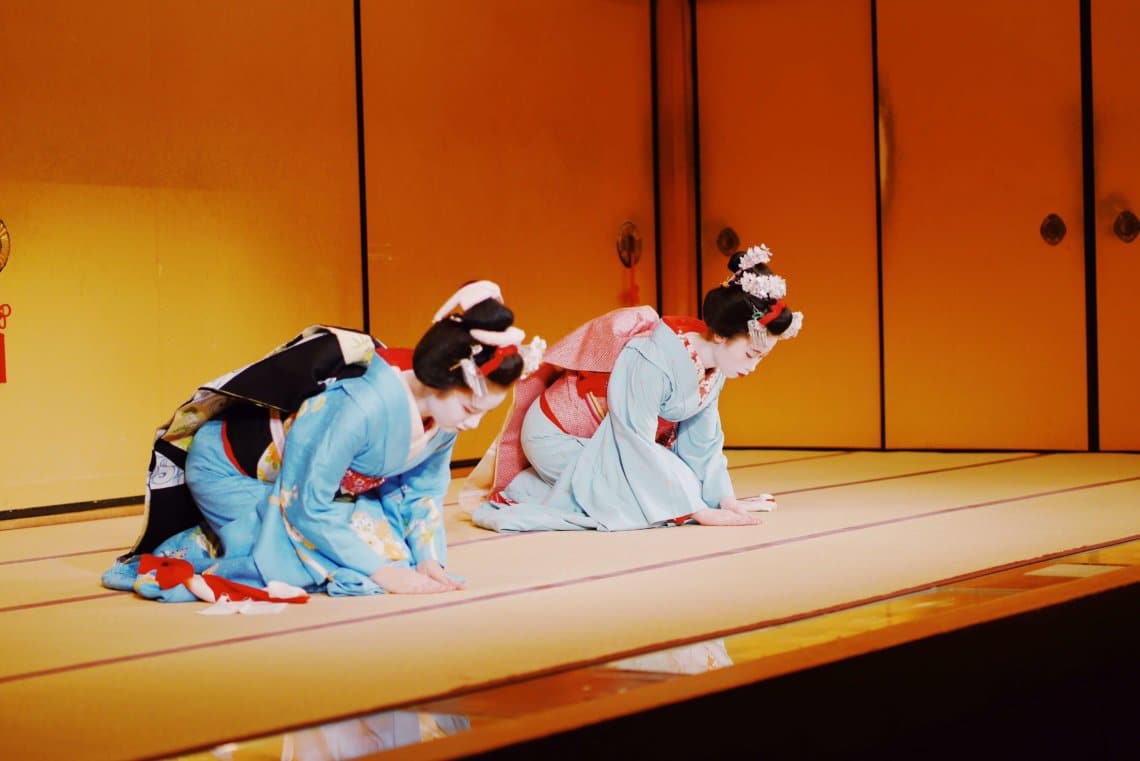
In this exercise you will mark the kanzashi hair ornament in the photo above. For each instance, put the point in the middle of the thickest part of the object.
(763, 286)
(793, 330)
(758, 335)
(763, 339)
(532, 354)
(753, 256)
(471, 375)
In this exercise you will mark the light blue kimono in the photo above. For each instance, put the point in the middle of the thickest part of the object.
(296, 529)
(621, 478)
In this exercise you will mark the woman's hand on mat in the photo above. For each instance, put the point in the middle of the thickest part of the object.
(433, 570)
(406, 581)
(725, 517)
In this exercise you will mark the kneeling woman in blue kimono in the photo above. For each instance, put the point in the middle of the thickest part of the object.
(619, 429)
(323, 466)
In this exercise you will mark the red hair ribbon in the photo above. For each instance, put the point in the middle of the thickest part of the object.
(773, 312)
(501, 353)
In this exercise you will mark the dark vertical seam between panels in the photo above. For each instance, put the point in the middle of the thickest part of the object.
(1089, 183)
(360, 167)
(656, 137)
(878, 220)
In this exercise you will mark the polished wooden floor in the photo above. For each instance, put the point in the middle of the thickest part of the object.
(867, 551)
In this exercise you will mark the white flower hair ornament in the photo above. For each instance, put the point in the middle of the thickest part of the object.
(754, 255)
(793, 330)
(766, 287)
(771, 288)
(763, 286)
(532, 355)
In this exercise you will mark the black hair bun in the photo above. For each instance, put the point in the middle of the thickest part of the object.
(488, 314)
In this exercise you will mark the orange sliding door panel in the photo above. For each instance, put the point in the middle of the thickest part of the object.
(506, 140)
(1115, 69)
(180, 183)
(787, 158)
(983, 253)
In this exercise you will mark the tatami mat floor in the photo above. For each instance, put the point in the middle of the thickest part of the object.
(862, 542)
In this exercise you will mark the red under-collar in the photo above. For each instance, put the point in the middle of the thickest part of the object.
(396, 357)
(685, 325)
(401, 359)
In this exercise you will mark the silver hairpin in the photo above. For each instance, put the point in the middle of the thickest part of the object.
(759, 336)
(471, 375)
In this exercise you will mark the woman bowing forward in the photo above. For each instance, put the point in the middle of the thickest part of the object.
(620, 429)
(323, 466)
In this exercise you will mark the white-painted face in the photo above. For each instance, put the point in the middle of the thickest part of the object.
(735, 357)
(458, 409)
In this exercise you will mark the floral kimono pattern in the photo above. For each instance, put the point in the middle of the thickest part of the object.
(302, 528)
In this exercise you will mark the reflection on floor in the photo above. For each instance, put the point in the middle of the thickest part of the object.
(358, 737)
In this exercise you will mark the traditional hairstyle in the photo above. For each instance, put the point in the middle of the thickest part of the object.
(472, 341)
(751, 302)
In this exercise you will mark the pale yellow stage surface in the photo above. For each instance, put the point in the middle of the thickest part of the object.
(90, 673)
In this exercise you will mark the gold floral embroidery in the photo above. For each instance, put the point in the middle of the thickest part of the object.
(269, 464)
(282, 500)
(426, 527)
(377, 534)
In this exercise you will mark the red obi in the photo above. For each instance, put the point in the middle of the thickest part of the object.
(357, 483)
(576, 403)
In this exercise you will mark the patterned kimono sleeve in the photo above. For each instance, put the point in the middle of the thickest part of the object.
(328, 431)
(700, 443)
(423, 489)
